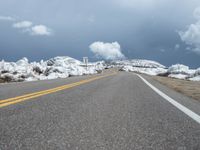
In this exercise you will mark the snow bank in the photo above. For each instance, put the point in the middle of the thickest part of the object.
(58, 67)
(197, 72)
(139, 63)
(178, 76)
(195, 76)
(149, 71)
(178, 69)
(64, 66)
(149, 67)
(141, 66)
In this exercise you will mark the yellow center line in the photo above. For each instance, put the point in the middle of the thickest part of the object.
(40, 92)
(14, 100)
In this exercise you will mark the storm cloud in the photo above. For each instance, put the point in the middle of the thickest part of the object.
(147, 29)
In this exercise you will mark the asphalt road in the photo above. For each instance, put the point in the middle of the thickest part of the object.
(118, 112)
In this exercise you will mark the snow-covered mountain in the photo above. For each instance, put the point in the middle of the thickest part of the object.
(58, 67)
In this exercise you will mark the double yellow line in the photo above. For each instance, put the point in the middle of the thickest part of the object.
(18, 99)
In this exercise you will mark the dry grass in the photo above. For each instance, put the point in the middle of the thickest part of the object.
(188, 88)
(1, 81)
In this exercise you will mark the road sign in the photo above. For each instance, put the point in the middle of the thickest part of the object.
(85, 60)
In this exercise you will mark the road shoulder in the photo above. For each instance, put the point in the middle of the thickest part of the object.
(188, 102)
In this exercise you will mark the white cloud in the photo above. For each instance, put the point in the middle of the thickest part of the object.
(188, 48)
(162, 50)
(7, 18)
(28, 27)
(136, 4)
(22, 24)
(108, 51)
(91, 19)
(177, 46)
(192, 35)
(40, 30)
(196, 13)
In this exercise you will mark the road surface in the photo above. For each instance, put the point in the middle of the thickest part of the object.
(105, 112)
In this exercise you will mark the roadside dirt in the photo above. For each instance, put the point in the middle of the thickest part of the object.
(188, 88)
(1, 81)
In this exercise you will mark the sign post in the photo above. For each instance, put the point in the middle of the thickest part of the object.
(85, 61)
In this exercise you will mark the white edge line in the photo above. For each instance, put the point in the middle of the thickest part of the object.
(184, 109)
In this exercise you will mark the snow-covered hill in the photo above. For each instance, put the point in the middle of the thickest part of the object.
(58, 67)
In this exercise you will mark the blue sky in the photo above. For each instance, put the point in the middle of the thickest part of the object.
(167, 31)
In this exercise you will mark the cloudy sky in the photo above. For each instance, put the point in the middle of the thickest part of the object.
(167, 31)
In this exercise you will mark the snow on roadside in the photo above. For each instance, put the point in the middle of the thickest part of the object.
(180, 71)
(149, 71)
(64, 66)
(177, 71)
(195, 76)
(141, 63)
(178, 76)
(142, 66)
(58, 67)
